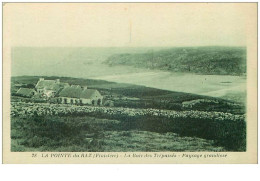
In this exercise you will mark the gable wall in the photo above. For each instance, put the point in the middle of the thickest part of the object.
(96, 95)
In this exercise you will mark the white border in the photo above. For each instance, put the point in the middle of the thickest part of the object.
(127, 172)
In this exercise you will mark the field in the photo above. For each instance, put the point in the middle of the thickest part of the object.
(141, 119)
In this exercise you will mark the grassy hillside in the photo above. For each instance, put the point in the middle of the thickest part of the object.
(85, 133)
(202, 60)
(174, 121)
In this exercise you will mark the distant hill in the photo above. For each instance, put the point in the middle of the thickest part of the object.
(201, 60)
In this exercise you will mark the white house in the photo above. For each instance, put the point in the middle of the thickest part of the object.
(75, 94)
(49, 88)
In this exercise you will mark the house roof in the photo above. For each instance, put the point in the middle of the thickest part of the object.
(25, 91)
(71, 91)
(89, 93)
(48, 85)
(78, 92)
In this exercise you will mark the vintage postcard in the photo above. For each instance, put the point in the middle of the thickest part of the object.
(130, 83)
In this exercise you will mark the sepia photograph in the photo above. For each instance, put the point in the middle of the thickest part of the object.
(130, 77)
(128, 99)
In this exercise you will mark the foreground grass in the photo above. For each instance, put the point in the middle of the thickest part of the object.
(225, 129)
(92, 134)
(151, 141)
(103, 132)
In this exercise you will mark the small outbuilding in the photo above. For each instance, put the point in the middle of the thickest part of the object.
(26, 92)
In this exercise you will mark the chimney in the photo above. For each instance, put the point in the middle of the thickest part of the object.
(41, 79)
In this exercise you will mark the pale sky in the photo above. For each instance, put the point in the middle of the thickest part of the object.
(109, 25)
